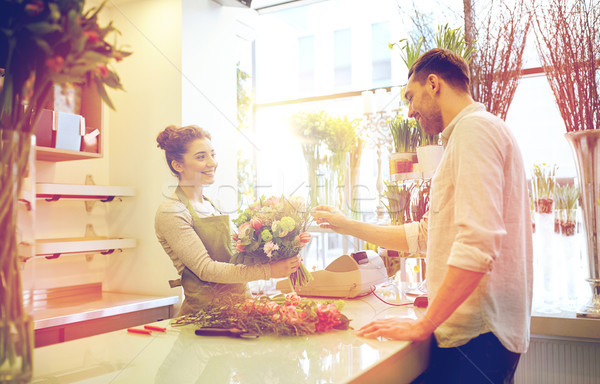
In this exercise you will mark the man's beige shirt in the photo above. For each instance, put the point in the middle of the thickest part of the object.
(479, 220)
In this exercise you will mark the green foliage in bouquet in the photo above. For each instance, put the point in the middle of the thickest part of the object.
(273, 229)
(282, 315)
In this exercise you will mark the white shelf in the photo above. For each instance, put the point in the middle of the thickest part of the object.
(87, 192)
(52, 248)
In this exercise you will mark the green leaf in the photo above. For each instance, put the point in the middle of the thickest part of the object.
(104, 95)
(43, 28)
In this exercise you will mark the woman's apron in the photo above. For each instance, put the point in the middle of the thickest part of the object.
(216, 237)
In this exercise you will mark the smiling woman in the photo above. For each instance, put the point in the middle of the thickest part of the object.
(193, 232)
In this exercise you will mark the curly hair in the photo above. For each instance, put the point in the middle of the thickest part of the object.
(175, 142)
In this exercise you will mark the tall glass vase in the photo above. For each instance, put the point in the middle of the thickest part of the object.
(586, 151)
(16, 325)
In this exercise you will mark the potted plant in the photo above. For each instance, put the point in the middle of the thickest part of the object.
(544, 182)
(406, 136)
(41, 43)
(429, 152)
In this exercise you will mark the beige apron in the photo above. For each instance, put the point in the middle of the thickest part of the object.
(216, 237)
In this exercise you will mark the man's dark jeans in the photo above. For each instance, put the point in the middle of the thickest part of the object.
(482, 360)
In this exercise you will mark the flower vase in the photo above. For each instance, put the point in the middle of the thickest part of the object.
(570, 260)
(586, 151)
(16, 325)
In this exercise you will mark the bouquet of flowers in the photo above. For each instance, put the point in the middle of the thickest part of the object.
(273, 229)
(282, 315)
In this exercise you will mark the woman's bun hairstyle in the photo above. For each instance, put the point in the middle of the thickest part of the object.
(175, 142)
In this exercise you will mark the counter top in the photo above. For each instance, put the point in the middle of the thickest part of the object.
(179, 356)
(108, 304)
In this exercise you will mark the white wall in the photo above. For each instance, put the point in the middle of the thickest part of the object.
(151, 101)
(182, 71)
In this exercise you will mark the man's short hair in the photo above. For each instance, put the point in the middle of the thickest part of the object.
(444, 63)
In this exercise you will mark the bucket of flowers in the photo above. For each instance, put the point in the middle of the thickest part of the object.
(273, 229)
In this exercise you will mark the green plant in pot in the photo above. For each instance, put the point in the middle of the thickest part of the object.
(42, 43)
(406, 137)
(544, 183)
(429, 151)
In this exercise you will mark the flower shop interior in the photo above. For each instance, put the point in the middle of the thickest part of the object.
(302, 98)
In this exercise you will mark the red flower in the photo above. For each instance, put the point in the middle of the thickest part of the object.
(92, 36)
(240, 247)
(256, 224)
(34, 8)
(55, 63)
(292, 299)
(102, 70)
(235, 237)
(305, 237)
(328, 316)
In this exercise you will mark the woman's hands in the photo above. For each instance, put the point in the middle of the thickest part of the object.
(330, 217)
(284, 268)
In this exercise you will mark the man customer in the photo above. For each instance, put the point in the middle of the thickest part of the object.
(477, 234)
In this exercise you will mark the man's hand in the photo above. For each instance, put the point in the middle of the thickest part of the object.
(396, 328)
(332, 218)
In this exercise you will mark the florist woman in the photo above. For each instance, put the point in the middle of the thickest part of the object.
(194, 233)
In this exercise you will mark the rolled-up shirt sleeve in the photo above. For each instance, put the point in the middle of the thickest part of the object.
(416, 235)
(479, 204)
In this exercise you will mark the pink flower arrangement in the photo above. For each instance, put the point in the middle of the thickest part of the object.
(281, 315)
(273, 229)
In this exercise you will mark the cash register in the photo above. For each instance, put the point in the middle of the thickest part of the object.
(347, 276)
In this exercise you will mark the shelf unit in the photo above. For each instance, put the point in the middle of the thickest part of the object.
(53, 192)
(55, 155)
(53, 248)
(91, 109)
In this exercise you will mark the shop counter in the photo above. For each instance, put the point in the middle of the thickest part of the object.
(179, 356)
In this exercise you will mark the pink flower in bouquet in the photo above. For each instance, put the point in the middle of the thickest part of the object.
(305, 238)
(292, 298)
(245, 232)
(239, 246)
(256, 224)
(273, 307)
(248, 305)
(270, 231)
(273, 201)
(329, 317)
(269, 248)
